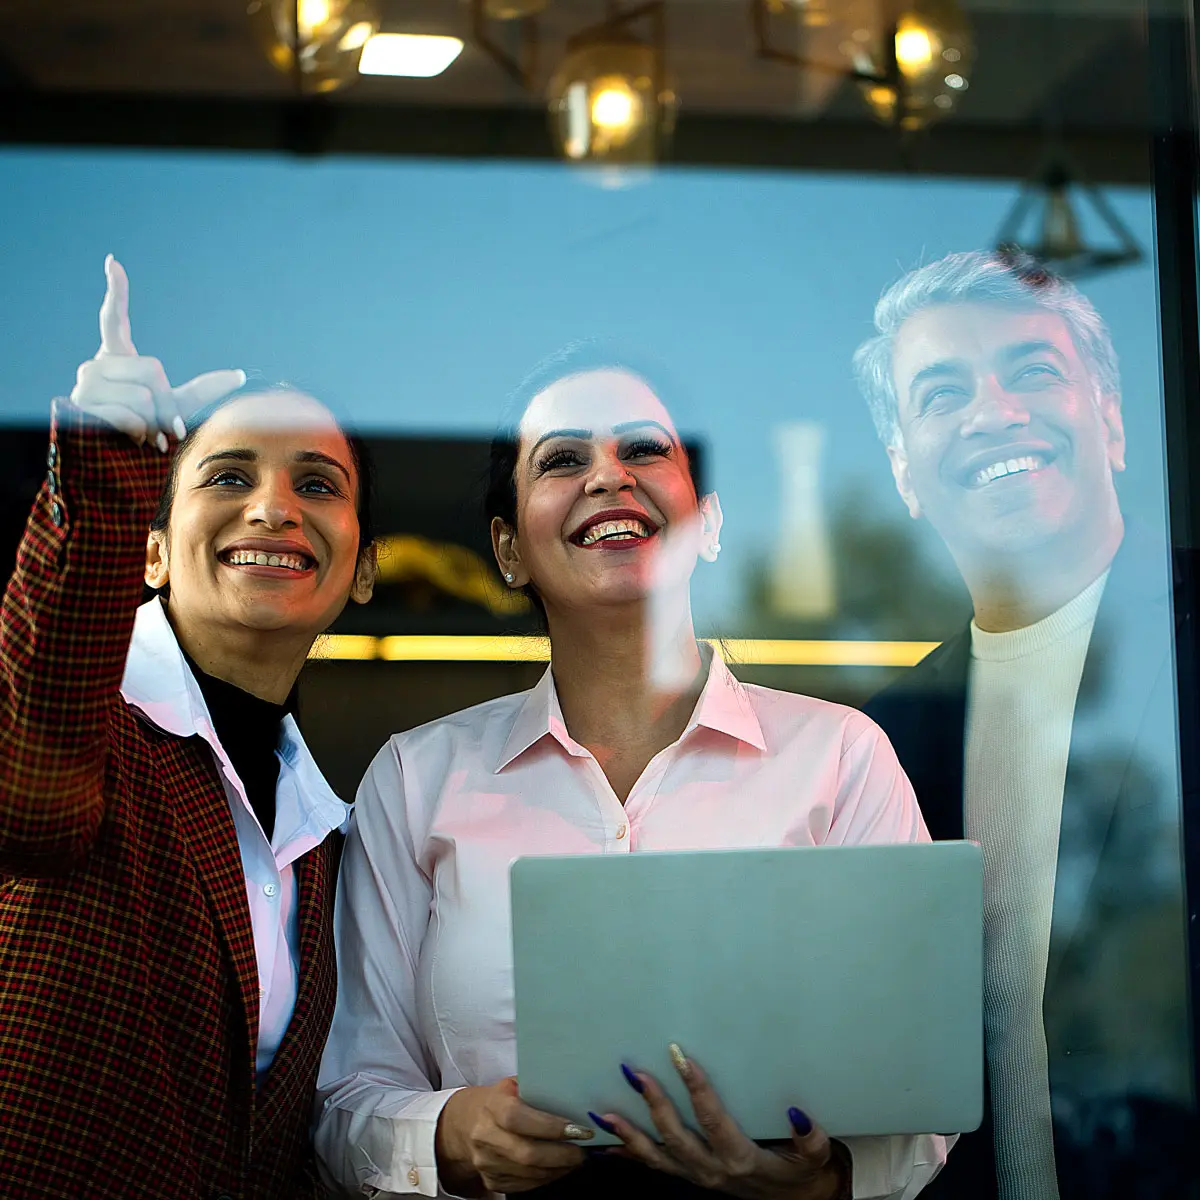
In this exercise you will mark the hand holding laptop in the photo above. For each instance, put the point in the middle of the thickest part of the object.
(490, 1133)
(720, 1156)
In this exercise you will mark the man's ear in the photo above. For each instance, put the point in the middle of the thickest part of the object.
(711, 520)
(157, 571)
(899, 460)
(1114, 425)
(508, 553)
(365, 570)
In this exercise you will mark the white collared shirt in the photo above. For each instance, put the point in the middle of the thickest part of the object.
(160, 686)
(425, 977)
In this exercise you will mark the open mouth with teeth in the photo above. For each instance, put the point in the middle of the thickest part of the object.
(297, 563)
(613, 531)
(1003, 468)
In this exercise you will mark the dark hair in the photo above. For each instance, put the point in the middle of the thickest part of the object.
(360, 456)
(576, 358)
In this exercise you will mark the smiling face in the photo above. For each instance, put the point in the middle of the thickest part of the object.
(606, 508)
(1006, 443)
(263, 531)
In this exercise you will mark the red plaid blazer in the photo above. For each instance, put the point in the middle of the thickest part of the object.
(128, 981)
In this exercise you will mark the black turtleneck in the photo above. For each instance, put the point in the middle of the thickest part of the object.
(248, 729)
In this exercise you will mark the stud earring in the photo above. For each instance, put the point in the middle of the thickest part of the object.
(509, 576)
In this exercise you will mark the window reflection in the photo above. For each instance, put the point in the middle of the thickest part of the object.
(1033, 471)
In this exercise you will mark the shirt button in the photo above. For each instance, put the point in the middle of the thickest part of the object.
(414, 1176)
(269, 889)
(52, 483)
(622, 830)
(56, 513)
(52, 455)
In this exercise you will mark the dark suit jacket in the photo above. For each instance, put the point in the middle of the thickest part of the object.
(1115, 1005)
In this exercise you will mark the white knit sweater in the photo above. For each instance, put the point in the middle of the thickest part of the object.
(1021, 703)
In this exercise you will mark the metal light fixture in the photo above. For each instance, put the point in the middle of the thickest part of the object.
(1045, 224)
(609, 100)
(520, 68)
(316, 42)
(910, 58)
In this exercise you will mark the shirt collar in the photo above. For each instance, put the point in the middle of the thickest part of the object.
(724, 706)
(159, 685)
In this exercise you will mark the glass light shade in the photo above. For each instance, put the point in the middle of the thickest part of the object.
(933, 57)
(316, 42)
(512, 10)
(1061, 237)
(609, 103)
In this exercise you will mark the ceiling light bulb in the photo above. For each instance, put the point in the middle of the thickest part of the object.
(311, 15)
(914, 48)
(614, 107)
(316, 43)
(904, 76)
(609, 102)
(357, 36)
(415, 55)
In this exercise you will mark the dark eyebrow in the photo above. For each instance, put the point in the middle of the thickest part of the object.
(1035, 346)
(250, 456)
(627, 426)
(315, 456)
(936, 370)
(227, 455)
(556, 433)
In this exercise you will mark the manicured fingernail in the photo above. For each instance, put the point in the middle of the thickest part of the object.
(161, 442)
(679, 1060)
(800, 1123)
(601, 1123)
(633, 1081)
(180, 428)
(578, 1132)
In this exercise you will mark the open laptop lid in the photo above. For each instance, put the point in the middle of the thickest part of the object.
(847, 981)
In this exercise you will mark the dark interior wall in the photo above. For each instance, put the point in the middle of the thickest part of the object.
(349, 709)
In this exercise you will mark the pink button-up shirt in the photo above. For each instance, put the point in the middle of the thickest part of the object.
(425, 979)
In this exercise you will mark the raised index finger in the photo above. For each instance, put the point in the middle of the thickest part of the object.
(115, 335)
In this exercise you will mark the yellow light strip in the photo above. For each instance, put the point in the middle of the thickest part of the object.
(773, 652)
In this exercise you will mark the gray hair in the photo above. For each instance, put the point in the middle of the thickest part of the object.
(984, 276)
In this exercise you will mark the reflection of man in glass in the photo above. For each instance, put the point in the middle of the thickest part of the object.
(1045, 731)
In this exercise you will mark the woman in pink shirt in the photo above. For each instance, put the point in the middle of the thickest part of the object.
(637, 738)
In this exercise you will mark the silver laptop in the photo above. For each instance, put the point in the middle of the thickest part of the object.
(846, 981)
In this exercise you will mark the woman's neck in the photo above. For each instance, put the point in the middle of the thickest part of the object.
(265, 663)
(627, 684)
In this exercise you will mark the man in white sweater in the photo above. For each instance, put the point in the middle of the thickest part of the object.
(1045, 731)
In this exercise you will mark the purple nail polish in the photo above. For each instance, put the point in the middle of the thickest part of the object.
(601, 1123)
(633, 1081)
(800, 1123)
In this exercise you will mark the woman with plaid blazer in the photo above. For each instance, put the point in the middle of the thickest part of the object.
(166, 965)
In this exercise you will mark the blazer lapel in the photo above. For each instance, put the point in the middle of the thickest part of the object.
(940, 792)
(1128, 651)
(202, 812)
(293, 1069)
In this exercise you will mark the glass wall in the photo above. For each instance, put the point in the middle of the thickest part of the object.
(956, 518)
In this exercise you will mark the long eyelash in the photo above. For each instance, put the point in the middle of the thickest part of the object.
(648, 446)
(224, 474)
(330, 488)
(558, 458)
